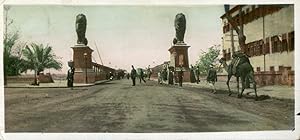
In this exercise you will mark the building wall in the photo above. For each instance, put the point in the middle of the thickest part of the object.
(274, 24)
(269, 25)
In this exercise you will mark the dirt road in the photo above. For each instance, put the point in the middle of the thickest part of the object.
(119, 107)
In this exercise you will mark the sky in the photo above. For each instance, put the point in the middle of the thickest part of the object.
(125, 35)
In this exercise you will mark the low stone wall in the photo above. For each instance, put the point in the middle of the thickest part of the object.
(30, 78)
(275, 78)
(20, 79)
(101, 76)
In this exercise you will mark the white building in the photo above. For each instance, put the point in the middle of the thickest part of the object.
(269, 31)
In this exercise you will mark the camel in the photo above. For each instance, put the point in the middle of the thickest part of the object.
(243, 70)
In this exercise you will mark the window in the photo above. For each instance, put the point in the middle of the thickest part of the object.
(275, 44)
(260, 47)
(284, 45)
(255, 46)
(281, 68)
(291, 41)
(267, 46)
(249, 49)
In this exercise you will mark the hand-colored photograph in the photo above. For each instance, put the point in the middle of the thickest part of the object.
(148, 68)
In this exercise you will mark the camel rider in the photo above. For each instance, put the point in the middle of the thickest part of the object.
(238, 58)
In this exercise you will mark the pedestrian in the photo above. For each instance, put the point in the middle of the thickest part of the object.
(70, 76)
(197, 72)
(212, 78)
(133, 75)
(142, 76)
(159, 78)
(171, 76)
(192, 75)
(149, 71)
(180, 76)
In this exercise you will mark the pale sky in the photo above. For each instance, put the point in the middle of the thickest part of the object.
(125, 35)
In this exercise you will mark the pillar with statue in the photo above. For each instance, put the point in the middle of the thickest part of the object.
(179, 58)
(82, 54)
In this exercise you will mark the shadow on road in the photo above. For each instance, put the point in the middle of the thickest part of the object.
(260, 97)
(107, 83)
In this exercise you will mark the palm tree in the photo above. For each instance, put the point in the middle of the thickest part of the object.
(8, 42)
(38, 58)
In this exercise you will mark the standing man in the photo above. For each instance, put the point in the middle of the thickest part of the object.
(192, 74)
(180, 76)
(142, 76)
(149, 71)
(133, 75)
(171, 76)
(70, 76)
(197, 74)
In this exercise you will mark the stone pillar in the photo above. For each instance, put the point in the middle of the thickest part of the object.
(179, 57)
(82, 58)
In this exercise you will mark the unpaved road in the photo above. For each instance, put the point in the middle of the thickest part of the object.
(119, 107)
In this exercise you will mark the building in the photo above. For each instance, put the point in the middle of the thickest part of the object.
(269, 31)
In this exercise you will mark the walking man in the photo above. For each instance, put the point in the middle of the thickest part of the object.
(133, 75)
(180, 76)
(212, 78)
(142, 76)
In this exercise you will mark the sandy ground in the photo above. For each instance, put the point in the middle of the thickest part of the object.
(148, 107)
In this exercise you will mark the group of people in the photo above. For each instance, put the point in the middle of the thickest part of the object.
(169, 73)
(194, 74)
(134, 74)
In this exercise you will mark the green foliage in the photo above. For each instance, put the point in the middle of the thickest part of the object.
(206, 59)
(40, 57)
(12, 60)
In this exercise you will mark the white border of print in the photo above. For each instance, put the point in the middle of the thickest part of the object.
(280, 135)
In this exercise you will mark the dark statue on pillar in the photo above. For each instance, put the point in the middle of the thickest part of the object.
(70, 76)
(81, 28)
(179, 50)
(180, 25)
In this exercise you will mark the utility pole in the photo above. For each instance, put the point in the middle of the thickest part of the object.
(234, 25)
(6, 9)
(98, 53)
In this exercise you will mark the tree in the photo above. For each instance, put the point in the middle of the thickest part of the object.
(38, 58)
(12, 52)
(208, 58)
